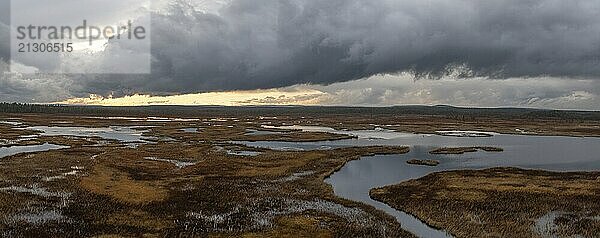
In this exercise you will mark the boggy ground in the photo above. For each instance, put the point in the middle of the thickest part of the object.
(502, 202)
(429, 124)
(186, 186)
(426, 121)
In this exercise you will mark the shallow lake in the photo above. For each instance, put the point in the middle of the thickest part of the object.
(356, 178)
(123, 134)
(243, 153)
(190, 130)
(13, 150)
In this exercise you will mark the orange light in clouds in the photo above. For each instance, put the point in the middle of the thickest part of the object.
(233, 98)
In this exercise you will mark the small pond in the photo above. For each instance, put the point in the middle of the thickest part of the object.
(190, 130)
(123, 134)
(13, 150)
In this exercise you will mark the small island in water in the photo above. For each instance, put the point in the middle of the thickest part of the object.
(462, 150)
(423, 162)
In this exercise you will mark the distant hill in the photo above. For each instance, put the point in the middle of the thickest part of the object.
(191, 111)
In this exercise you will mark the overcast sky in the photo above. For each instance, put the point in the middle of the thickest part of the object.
(539, 53)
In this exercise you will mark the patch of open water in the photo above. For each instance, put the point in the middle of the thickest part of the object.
(123, 134)
(129, 135)
(13, 150)
(12, 123)
(190, 130)
(243, 153)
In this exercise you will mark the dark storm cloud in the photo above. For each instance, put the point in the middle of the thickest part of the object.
(4, 29)
(284, 42)
(274, 43)
(4, 41)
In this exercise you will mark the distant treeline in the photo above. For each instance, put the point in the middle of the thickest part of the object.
(218, 111)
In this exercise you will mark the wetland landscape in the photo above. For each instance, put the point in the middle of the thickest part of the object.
(300, 118)
(299, 172)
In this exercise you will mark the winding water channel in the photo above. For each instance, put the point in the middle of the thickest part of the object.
(356, 178)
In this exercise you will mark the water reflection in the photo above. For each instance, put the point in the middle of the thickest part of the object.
(190, 130)
(13, 150)
(243, 153)
(123, 134)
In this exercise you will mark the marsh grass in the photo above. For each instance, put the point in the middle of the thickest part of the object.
(462, 150)
(423, 162)
(275, 194)
(118, 191)
(500, 202)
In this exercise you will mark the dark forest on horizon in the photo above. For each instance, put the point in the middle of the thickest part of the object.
(225, 111)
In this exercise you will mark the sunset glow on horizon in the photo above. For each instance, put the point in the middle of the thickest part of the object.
(231, 98)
